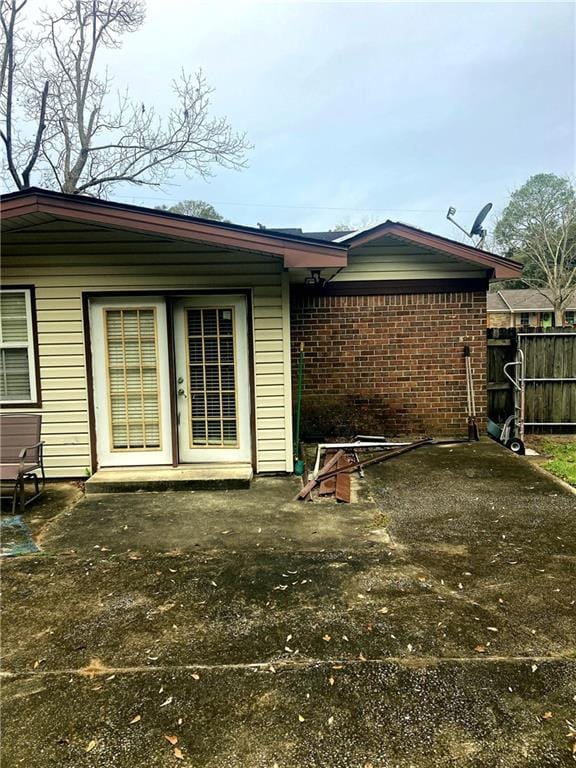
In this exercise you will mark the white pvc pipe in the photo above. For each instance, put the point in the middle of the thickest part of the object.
(352, 446)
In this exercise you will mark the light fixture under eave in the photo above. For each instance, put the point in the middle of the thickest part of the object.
(314, 278)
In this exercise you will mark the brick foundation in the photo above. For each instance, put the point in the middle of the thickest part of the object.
(389, 364)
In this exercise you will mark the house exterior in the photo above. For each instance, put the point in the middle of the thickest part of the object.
(525, 307)
(150, 339)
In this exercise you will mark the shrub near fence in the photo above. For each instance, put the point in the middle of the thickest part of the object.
(550, 375)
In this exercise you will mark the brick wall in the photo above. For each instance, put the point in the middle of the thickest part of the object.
(389, 364)
(500, 319)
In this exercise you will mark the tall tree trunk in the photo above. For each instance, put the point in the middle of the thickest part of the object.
(558, 315)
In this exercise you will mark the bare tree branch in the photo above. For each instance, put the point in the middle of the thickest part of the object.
(38, 141)
(9, 70)
(90, 139)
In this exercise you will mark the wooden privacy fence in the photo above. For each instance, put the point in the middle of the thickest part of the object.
(550, 375)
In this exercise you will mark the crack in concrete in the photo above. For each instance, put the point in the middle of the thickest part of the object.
(287, 664)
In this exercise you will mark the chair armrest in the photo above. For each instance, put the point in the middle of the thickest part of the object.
(24, 451)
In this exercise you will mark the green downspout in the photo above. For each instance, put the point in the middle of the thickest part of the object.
(299, 463)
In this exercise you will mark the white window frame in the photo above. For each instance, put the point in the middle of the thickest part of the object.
(528, 316)
(30, 346)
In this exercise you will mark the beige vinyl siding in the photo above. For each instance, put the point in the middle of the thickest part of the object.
(404, 263)
(60, 281)
(399, 262)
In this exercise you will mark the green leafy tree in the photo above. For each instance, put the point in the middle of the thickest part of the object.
(538, 228)
(194, 208)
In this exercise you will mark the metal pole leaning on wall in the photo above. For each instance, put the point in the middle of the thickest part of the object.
(299, 462)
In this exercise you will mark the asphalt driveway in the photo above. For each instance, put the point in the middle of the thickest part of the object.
(429, 624)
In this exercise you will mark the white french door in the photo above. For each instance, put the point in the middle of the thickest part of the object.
(131, 381)
(212, 370)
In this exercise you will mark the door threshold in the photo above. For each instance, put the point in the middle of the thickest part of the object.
(185, 477)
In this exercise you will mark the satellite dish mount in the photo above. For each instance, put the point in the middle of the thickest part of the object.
(477, 230)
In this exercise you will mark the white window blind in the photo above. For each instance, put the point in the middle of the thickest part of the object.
(133, 385)
(17, 364)
(212, 377)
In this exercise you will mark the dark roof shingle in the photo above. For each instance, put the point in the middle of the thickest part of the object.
(523, 300)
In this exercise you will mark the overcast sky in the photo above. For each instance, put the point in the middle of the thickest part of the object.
(367, 110)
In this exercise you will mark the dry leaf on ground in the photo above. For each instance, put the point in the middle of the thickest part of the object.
(480, 649)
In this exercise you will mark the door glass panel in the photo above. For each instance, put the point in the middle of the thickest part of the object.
(212, 377)
(133, 389)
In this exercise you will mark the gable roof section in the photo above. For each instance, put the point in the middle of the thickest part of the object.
(495, 302)
(295, 251)
(498, 266)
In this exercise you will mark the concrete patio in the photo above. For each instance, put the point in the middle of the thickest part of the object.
(429, 624)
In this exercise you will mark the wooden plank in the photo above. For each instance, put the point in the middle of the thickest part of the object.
(501, 349)
(328, 486)
(343, 482)
(311, 484)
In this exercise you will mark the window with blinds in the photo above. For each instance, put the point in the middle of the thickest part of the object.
(212, 377)
(17, 363)
(133, 385)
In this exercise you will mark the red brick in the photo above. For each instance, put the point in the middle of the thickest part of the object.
(393, 363)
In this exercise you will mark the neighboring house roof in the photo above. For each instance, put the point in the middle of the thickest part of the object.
(523, 300)
(495, 302)
(296, 248)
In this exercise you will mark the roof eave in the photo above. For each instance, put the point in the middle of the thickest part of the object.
(497, 267)
(294, 253)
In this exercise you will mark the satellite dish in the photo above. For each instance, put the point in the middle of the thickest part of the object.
(477, 229)
(479, 220)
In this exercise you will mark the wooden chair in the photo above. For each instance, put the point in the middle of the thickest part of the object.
(21, 455)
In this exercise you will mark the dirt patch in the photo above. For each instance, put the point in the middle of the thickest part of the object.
(58, 498)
